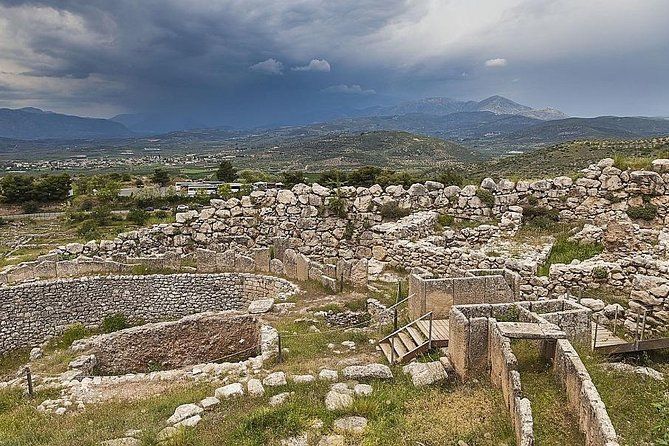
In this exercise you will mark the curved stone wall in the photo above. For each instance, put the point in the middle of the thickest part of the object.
(33, 312)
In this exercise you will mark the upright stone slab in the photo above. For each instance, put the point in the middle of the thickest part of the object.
(281, 244)
(478, 345)
(290, 263)
(244, 263)
(205, 260)
(302, 268)
(262, 259)
(359, 273)
(225, 260)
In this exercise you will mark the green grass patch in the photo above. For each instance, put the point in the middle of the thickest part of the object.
(10, 362)
(554, 424)
(638, 406)
(565, 250)
(623, 162)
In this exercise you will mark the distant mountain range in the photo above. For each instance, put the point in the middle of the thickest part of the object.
(493, 126)
(32, 123)
(444, 106)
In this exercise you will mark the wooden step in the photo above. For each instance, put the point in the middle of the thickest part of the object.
(385, 348)
(407, 340)
(417, 336)
(400, 349)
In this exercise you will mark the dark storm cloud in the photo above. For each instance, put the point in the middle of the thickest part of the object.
(257, 61)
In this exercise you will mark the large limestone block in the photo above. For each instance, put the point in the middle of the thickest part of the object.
(369, 371)
(425, 373)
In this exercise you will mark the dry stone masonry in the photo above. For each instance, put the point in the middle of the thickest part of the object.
(33, 312)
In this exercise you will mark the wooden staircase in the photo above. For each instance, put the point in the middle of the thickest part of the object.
(414, 339)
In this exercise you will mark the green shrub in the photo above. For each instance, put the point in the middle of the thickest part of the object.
(629, 162)
(337, 206)
(114, 322)
(540, 217)
(391, 210)
(450, 177)
(486, 197)
(89, 230)
(356, 305)
(445, 220)
(138, 216)
(646, 212)
(600, 273)
(67, 338)
(30, 207)
(224, 191)
(532, 200)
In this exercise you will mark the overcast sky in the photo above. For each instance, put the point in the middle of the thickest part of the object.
(258, 61)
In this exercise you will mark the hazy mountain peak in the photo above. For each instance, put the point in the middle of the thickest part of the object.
(441, 106)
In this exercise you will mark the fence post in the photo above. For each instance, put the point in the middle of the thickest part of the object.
(29, 378)
(594, 342)
(636, 333)
(643, 323)
(279, 357)
(615, 322)
(392, 350)
(429, 341)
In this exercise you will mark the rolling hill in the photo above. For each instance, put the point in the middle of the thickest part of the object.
(569, 157)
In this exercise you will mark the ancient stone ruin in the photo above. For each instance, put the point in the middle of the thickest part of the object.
(473, 286)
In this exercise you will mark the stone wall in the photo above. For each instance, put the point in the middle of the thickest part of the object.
(649, 300)
(305, 214)
(196, 339)
(32, 312)
(427, 293)
(582, 396)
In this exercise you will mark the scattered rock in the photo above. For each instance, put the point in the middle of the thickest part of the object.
(126, 441)
(350, 425)
(425, 373)
(261, 306)
(279, 398)
(362, 389)
(184, 411)
(255, 387)
(332, 440)
(189, 422)
(628, 368)
(229, 391)
(328, 375)
(275, 379)
(369, 371)
(167, 433)
(209, 402)
(301, 440)
(36, 353)
(338, 401)
(303, 379)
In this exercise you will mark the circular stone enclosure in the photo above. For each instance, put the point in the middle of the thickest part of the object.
(205, 337)
(33, 312)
